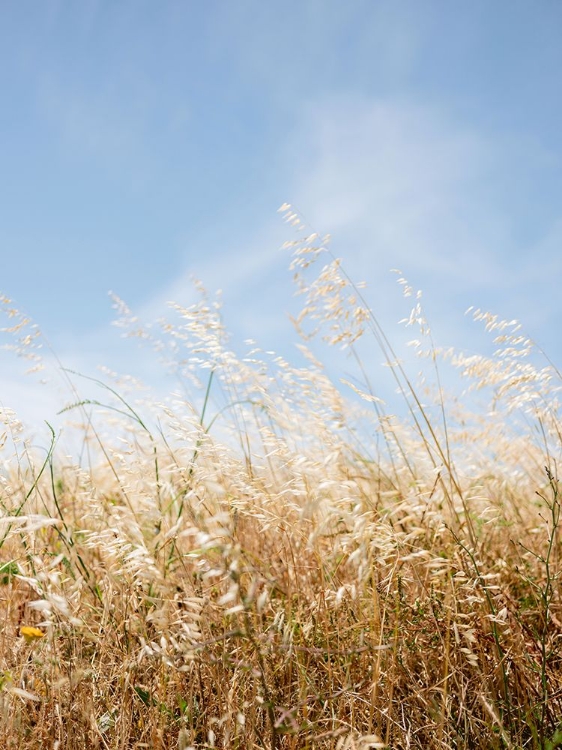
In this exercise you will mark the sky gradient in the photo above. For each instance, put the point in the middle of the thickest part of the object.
(142, 143)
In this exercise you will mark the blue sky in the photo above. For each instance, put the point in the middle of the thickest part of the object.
(143, 142)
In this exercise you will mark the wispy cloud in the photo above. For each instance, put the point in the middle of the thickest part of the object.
(398, 184)
(405, 185)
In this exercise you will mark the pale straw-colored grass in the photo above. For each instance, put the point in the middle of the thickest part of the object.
(279, 562)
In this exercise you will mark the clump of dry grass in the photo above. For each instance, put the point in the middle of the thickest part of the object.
(253, 572)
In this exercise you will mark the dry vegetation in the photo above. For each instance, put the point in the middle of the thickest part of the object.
(275, 568)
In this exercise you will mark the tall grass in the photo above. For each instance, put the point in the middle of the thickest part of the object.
(276, 561)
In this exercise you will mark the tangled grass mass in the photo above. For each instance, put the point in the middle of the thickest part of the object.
(270, 559)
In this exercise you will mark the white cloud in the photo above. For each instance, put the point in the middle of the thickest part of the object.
(398, 179)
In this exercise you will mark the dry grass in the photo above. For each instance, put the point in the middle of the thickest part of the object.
(255, 573)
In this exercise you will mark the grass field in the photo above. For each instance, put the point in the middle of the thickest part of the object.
(277, 562)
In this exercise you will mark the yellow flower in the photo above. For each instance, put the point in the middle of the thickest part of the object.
(30, 633)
